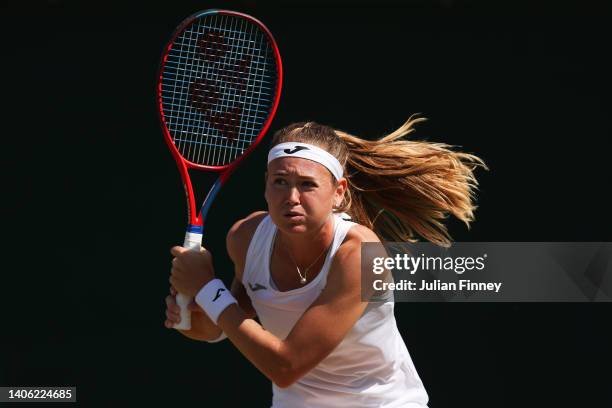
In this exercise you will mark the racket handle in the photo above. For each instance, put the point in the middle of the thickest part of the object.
(193, 241)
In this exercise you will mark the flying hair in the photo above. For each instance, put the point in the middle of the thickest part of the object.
(401, 189)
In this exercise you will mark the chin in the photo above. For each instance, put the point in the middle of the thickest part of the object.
(292, 227)
(295, 230)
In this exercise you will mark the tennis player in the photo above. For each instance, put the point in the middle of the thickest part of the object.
(297, 266)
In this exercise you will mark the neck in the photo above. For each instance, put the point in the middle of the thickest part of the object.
(304, 248)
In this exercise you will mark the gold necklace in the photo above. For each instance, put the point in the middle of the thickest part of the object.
(303, 278)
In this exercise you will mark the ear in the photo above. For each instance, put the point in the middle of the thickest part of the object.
(341, 187)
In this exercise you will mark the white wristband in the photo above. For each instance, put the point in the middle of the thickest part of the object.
(214, 298)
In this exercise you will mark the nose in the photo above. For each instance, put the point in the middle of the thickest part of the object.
(294, 196)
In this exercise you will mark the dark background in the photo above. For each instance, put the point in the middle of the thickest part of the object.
(93, 200)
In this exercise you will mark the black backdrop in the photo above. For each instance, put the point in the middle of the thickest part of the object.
(94, 199)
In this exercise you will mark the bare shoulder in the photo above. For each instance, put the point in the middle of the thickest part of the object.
(344, 279)
(346, 276)
(355, 236)
(348, 255)
(361, 233)
(240, 234)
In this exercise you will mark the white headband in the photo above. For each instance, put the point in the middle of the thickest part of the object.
(307, 151)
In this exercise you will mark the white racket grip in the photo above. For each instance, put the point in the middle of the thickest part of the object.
(193, 240)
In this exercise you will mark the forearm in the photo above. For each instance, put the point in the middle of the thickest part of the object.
(266, 351)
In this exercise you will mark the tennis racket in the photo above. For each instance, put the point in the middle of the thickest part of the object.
(218, 89)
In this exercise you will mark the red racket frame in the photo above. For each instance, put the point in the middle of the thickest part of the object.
(196, 219)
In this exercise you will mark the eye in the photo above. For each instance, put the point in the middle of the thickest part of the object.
(280, 181)
(309, 184)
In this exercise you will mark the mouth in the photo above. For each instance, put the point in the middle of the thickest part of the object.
(292, 214)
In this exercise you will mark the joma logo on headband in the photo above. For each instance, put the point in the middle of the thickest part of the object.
(295, 149)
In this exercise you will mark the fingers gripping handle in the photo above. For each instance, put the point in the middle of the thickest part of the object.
(193, 241)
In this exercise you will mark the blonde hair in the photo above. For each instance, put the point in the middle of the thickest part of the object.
(398, 188)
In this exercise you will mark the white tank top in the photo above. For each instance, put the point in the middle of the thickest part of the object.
(371, 367)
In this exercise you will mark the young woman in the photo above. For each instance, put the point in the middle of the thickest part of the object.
(297, 266)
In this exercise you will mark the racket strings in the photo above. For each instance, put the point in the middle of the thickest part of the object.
(217, 86)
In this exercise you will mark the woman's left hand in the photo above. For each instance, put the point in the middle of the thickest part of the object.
(191, 270)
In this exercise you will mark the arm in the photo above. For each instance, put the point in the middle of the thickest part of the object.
(202, 328)
(327, 320)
